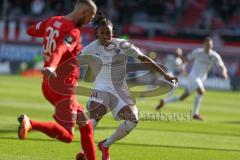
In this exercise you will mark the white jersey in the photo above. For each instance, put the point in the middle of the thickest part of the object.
(109, 63)
(173, 63)
(203, 63)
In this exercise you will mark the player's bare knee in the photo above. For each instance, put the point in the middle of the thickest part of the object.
(184, 96)
(96, 110)
(127, 113)
(201, 91)
(128, 117)
(134, 119)
(96, 116)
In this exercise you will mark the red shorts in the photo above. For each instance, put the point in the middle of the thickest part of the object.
(67, 107)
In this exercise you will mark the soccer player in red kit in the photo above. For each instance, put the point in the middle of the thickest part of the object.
(60, 75)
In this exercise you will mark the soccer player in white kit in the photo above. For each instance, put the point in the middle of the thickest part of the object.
(175, 62)
(175, 65)
(107, 59)
(203, 60)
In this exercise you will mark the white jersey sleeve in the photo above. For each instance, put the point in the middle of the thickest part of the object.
(86, 54)
(193, 54)
(218, 60)
(133, 51)
(88, 50)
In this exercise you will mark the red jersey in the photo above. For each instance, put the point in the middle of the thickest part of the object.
(60, 48)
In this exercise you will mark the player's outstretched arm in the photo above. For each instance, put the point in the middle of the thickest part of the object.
(54, 60)
(152, 65)
(224, 71)
(67, 43)
(219, 62)
(36, 30)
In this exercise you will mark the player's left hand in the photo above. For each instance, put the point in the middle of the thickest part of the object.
(225, 75)
(171, 78)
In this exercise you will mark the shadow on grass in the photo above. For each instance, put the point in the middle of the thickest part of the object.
(178, 147)
(131, 144)
(232, 122)
(6, 131)
(176, 131)
(29, 139)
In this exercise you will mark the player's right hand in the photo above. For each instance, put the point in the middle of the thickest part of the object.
(47, 73)
(225, 76)
(171, 78)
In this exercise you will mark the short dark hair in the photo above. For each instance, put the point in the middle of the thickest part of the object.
(208, 39)
(101, 20)
(88, 2)
(84, 1)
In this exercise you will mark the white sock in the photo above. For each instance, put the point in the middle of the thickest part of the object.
(197, 102)
(94, 122)
(123, 129)
(171, 99)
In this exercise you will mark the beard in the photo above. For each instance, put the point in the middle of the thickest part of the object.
(80, 22)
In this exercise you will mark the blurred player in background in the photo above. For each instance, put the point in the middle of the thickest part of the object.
(203, 60)
(107, 60)
(174, 63)
(60, 76)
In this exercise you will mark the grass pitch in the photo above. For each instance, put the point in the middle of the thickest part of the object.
(158, 138)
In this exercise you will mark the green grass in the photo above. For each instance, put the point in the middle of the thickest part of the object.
(218, 137)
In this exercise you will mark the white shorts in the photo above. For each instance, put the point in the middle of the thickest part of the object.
(114, 102)
(193, 84)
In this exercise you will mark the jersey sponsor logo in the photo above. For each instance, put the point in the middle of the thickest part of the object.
(125, 45)
(117, 51)
(57, 24)
(68, 40)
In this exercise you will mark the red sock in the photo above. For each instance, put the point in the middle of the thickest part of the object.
(53, 130)
(87, 140)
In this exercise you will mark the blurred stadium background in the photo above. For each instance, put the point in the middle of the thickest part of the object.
(156, 26)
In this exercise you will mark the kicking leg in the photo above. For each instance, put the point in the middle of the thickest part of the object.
(53, 130)
(97, 111)
(24, 126)
(173, 99)
(197, 102)
(129, 123)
